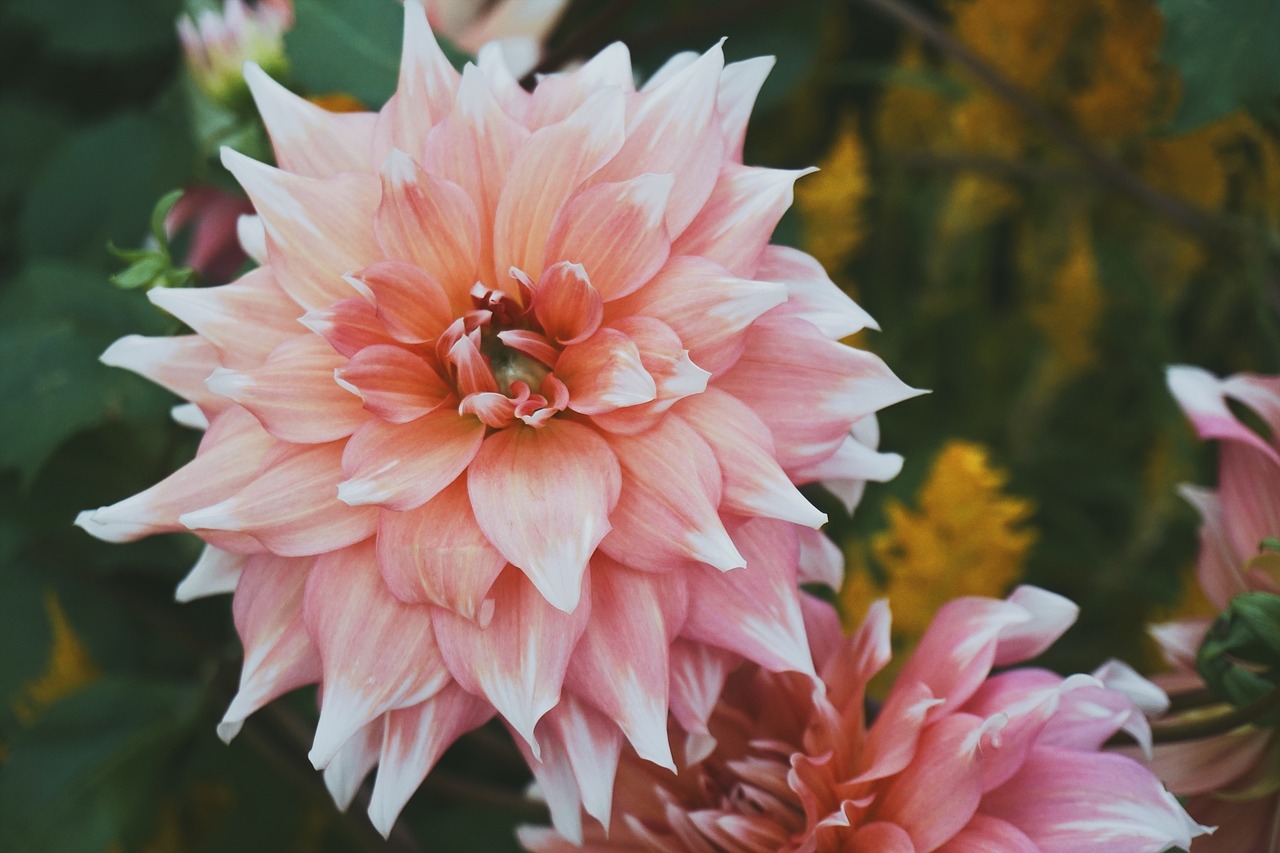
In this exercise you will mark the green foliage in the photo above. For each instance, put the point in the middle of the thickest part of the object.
(1240, 656)
(350, 46)
(1226, 51)
(90, 30)
(153, 267)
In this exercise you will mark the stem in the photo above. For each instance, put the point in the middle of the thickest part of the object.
(1219, 723)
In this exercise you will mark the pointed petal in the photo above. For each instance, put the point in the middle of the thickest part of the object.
(215, 573)
(698, 673)
(811, 295)
(294, 393)
(426, 90)
(590, 744)
(604, 373)
(402, 466)
(616, 231)
(945, 769)
(1201, 396)
(352, 763)
(292, 506)
(412, 305)
(845, 473)
(566, 304)
(252, 236)
(519, 660)
(821, 560)
(394, 383)
(559, 94)
(349, 325)
(740, 82)
(278, 653)
(378, 653)
(1050, 617)
(1218, 567)
(437, 554)
(667, 361)
(181, 364)
(543, 497)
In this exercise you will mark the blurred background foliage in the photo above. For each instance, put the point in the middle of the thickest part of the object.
(1042, 203)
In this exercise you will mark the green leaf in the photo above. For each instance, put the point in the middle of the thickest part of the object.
(1228, 52)
(89, 772)
(92, 29)
(350, 46)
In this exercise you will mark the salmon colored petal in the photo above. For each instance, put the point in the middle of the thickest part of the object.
(429, 222)
(294, 392)
(698, 672)
(425, 92)
(946, 771)
(845, 473)
(811, 294)
(402, 466)
(307, 139)
(395, 384)
(349, 325)
(518, 661)
(437, 554)
(665, 359)
(378, 653)
(412, 305)
(549, 167)
(471, 370)
(579, 764)
(566, 304)
(278, 653)
(616, 231)
(667, 515)
(349, 766)
(604, 373)
(883, 837)
(985, 834)
(216, 572)
(415, 739)
(543, 497)
(559, 94)
(181, 364)
(291, 506)
(311, 241)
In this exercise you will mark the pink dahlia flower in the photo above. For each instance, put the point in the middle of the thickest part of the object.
(211, 217)
(1231, 780)
(957, 760)
(511, 416)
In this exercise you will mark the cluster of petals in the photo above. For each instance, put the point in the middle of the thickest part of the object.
(217, 43)
(957, 760)
(1230, 780)
(510, 418)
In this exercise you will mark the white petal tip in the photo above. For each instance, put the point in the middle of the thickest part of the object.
(228, 729)
(228, 383)
(216, 517)
(361, 492)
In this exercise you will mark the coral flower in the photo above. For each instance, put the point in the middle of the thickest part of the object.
(957, 760)
(1232, 779)
(511, 415)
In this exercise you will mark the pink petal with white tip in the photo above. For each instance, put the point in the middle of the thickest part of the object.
(245, 320)
(1218, 565)
(1202, 398)
(821, 560)
(812, 295)
(278, 653)
(549, 167)
(425, 91)
(558, 95)
(378, 653)
(590, 744)
(543, 497)
(754, 484)
(394, 383)
(472, 371)
(402, 466)
(1050, 617)
(437, 554)
(412, 305)
(620, 664)
(665, 359)
(604, 373)
(352, 762)
(311, 241)
(429, 222)
(252, 236)
(519, 660)
(307, 139)
(845, 473)
(415, 739)
(566, 304)
(938, 792)
(229, 457)
(292, 505)
(349, 325)
(180, 363)
(294, 392)
(215, 573)
(667, 515)
(616, 231)
(740, 83)
(698, 672)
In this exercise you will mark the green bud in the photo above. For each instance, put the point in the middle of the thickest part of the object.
(1240, 655)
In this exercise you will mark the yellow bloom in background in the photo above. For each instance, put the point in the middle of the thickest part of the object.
(831, 201)
(1124, 71)
(1068, 317)
(69, 669)
(1024, 41)
(966, 537)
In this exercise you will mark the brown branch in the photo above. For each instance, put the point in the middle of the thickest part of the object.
(1107, 169)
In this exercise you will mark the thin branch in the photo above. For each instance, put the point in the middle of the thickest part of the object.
(1106, 168)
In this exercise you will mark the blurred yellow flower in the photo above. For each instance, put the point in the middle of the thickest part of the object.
(1068, 317)
(1024, 41)
(1124, 71)
(69, 668)
(831, 201)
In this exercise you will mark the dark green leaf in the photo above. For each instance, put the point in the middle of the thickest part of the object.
(350, 46)
(92, 29)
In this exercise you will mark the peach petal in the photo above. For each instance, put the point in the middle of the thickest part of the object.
(566, 304)
(395, 384)
(402, 466)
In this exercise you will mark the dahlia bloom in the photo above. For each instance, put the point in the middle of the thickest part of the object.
(217, 45)
(957, 760)
(1233, 779)
(510, 417)
(211, 216)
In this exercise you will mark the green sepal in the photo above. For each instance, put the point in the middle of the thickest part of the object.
(1240, 656)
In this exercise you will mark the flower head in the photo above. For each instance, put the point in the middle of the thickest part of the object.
(217, 45)
(511, 416)
(956, 760)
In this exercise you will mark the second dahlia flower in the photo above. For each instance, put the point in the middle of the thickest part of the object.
(511, 417)
(957, 760)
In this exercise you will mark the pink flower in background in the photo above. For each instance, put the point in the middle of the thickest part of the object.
(217, 45)
(510, 417)
(210, 217)
(957, 760)
(1231, 780)
(521, 27)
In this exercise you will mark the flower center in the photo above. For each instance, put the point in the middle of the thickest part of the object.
(510, 366)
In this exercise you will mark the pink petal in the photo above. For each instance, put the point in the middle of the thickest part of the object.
(566, 304)
(402, 466)
(615, 230)
(821, 560)
(543, 497)
(845, 473)
(586, 745)
(425, 92)
(604, 373)
(667, 514)
(394, 383)
(294, 392)
(754, 484)
(559, 94)
(352, 762)
(665, 359)
(985, 834)
(881, 837)
(698, 672)
(549, 166)
(620, 664)
(472, 372)
(938, 793)
(349, 325)
(415, 739)
(412, 306)
(811, 295)
(311, 240)
(429, 222)
(245, 320)
(1180, 641)
(181, 364)
(1249, 489)
(278, 653)
(1050, 617)
(532, 344)
(740, 82)
(378, 653)
(754, 612)
(437, 554)
(735, 224)
(252, 236)
(216, 572)
(1218, 568)
(518, 661)
(894, 740)
(1201, 396)
(307, 139)
(291, 506)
